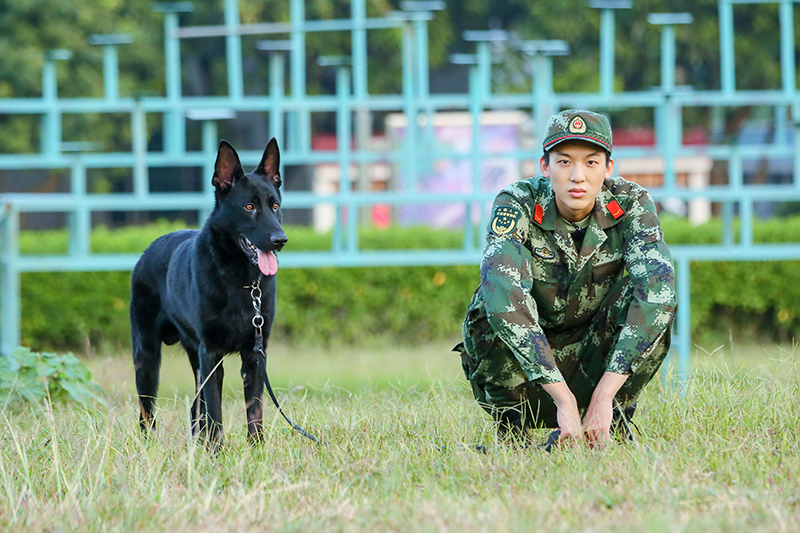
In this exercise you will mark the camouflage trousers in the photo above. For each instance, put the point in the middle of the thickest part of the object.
(500, 385)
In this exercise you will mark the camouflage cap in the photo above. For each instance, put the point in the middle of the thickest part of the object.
(578, 124)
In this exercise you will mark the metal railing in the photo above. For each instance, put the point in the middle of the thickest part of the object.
(414, 101)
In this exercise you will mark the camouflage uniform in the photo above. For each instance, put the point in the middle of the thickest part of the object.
(547, 312)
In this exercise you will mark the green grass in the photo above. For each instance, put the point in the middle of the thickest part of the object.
(720, 454)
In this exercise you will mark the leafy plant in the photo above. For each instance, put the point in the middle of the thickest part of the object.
(34, 377)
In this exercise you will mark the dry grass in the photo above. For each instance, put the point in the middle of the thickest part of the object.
(719, 454)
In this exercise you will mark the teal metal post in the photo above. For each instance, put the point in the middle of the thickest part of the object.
(607, 31)
(300, 119)
(542, 66)
(484, 68)
(788, 71)
(141, 182)
(276, 93)
(781, 126)
(669, 123)
(668, 58)
(726, 51)
(683, 317)
(233, 48)
(727, 224)
(746, 223)
(174, 119)
(358, 36)
(345, 157)
(51, 120)
(540, 53)
(539, 86)
(735, 182)
(789, 82)
(607, 38)
(670, 136)
(10, 294)
(208, 119)
(480, 91)
(363, 118)
(477, 86)
(409, 164)
(80, 218)
(109, 42)
(111, 72)
(423, 79)
(209, 154)
(210, 145)
(796, 150)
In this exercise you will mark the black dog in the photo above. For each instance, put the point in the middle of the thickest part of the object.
(194, 286)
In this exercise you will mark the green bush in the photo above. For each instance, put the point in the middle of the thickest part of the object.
(64, 310)
(35, 377)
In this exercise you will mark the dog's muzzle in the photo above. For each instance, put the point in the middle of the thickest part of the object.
(266, 261)
(249, 249)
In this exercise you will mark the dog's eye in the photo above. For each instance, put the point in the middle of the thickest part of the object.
(275, 207)
(249, 207)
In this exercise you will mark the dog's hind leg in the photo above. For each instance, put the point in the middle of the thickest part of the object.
(147, 323)
(211, 382)
(198, 415)
(253, 394)
(147, 363)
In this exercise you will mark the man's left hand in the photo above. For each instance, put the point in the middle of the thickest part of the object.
(597, 420)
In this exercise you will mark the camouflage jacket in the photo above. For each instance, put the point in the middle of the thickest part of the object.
(538, 292)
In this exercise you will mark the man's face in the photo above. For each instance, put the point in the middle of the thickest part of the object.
(576, 172)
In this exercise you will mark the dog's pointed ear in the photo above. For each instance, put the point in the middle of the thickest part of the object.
(270, 163)
(227, 168)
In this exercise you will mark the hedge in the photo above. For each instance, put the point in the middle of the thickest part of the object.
(409, 305)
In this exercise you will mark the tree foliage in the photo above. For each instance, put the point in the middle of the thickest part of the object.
(28, 28)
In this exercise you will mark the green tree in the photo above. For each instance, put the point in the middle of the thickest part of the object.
(30, 27)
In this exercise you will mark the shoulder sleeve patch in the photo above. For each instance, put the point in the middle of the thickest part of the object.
(615, 209)
(504, 219)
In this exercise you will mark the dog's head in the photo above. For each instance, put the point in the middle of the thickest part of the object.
(248, 206)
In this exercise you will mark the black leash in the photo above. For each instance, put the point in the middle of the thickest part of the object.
(258, 323)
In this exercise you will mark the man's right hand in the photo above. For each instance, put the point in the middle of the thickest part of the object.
(568, 416)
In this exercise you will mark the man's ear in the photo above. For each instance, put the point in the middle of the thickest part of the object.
(227, 168)
(609, 168)
(543, 166)
(270, 163)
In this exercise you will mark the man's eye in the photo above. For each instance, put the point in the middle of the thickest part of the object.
(275, 207)
(249, 207)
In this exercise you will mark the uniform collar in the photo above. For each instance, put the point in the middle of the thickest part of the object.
(608, 210)
(606, 206)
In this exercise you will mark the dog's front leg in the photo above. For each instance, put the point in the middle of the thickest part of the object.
(211, 383)
(253, 394)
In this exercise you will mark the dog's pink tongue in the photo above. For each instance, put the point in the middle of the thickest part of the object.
(267, 263)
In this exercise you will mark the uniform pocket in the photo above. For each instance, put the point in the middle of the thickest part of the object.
(545, 272)
(606, 272)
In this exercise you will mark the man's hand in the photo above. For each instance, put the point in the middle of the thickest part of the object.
(597, 422)
(568, 416)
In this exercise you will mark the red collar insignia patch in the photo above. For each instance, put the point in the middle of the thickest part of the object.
(538, 214)
(615, 210)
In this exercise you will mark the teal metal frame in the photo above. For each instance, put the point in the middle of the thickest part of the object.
(352, 95)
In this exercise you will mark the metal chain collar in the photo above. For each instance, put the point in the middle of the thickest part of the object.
(258, 320)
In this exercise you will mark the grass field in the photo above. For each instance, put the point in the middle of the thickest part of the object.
(718, 454)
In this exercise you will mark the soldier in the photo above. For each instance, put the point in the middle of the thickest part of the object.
(576, 299)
